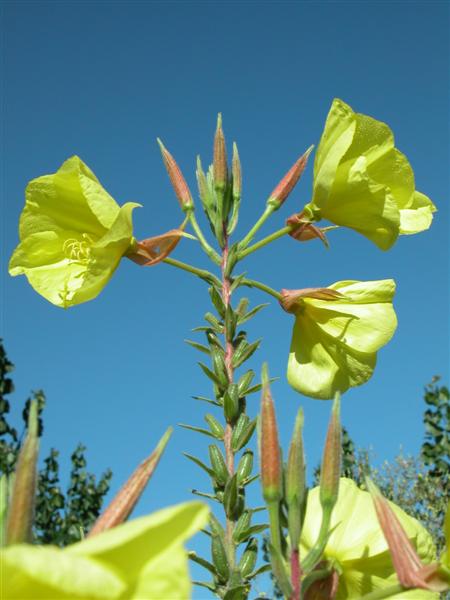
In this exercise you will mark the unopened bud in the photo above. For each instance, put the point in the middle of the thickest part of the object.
(176, 177)
(289, 181)
(126, 499)
(220, 167)
(22, 504)
(330, 470)
(295, 482)
(271, 470)
(237, 173)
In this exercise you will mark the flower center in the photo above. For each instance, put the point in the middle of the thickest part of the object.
(78, 250)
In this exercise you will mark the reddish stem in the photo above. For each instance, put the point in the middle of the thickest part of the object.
(229, 350)
(295, 575)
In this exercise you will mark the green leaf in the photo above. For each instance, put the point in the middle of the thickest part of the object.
(197, 429)
(252, 313)
(201, 464)
(198, 346)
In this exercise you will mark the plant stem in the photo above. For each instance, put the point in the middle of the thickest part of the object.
(316, 551)
(295, 574)
(201, 238)
(257, 226)
(229, 350)
(261, 286)
(274, 520)
(270, 238)
(384, 592)
(194, 270)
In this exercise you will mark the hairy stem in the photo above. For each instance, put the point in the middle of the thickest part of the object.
(261, 286)
(229, 454)
(256, 227)
(206, 275)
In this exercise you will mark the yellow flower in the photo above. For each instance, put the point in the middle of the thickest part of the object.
(72, 235)
(143, 558)
(357, 547)
(337, 333)
(363, 182)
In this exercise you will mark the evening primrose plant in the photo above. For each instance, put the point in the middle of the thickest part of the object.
(73, 236)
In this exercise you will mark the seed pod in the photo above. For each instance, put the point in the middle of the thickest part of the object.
(231, 403)
(241, 440)
(244, 467)
(230, 497)
(242, 525)
(238, 430)
(220, 559)
(244, 382)
(218, 465)
(215, 426)
(219, 366)
(248, 559)
(330, 471)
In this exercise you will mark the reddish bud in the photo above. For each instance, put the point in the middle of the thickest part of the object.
(220, 167)
(289, 181)
(179, 184)
(126, 499)
(271, 470)
(411, 572)
(330, 470)
(290, 298)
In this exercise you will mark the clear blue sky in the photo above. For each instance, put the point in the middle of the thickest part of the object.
(103, 80)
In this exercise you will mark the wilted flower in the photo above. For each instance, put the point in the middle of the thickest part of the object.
(143, 558)
(337, 333)
(362, 181)
(357, 549)
(72, 235)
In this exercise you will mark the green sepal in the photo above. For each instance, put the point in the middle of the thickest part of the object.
(242, 436)
(219, 366)
(232, 501)
(197, 429)
(252, 313)
(231, 402)
(217, 300)
(216, 428)
(201, 464)
(216, 527)
(248, 558)
(220, 558)
(244, 467)
(230, 323)
(244, 382)
(242, 525)
(232, 258)
(221, 474)
(245, 354)
(198, 346)
(254, 530)
(216, 325)
(203, 562)
(242, 306)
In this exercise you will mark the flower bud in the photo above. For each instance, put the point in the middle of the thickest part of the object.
(22, 504)
(237, 173)
(330, 470)
(271, 469)
(295, 482)
(176, 177)
(220, 167)
(289, 181)
(126, 499)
